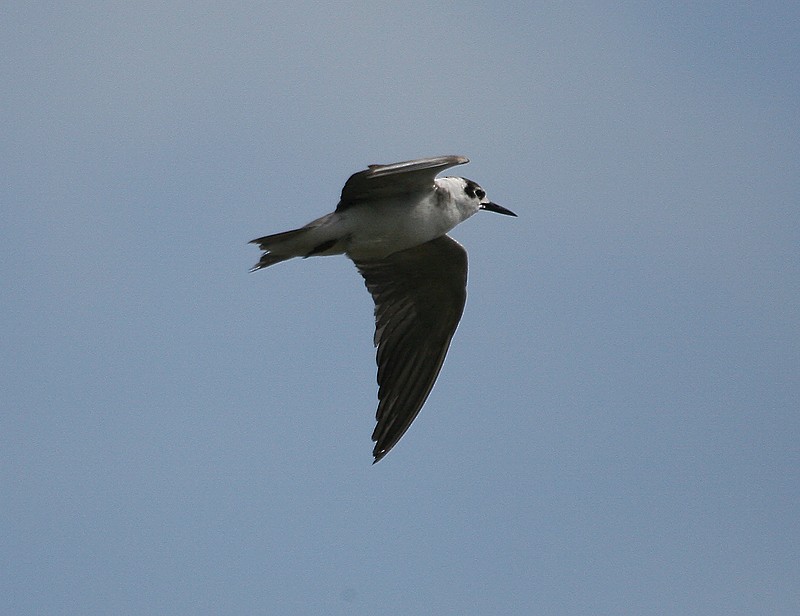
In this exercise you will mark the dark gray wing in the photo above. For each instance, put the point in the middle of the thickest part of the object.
(419, 296)
(397, 179)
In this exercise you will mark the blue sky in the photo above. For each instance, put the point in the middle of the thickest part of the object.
(615, 430)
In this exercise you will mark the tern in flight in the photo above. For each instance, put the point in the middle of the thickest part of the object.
(392, 221)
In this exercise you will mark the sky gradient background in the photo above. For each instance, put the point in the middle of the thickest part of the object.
(616, 428)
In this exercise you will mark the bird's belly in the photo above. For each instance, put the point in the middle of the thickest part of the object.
(377, 234)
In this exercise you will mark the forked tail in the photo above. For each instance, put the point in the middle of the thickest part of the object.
(268, 243)
(319, 237)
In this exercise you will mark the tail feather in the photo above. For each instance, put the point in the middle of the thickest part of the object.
(268, 259)
(319, 237)
(268, 242)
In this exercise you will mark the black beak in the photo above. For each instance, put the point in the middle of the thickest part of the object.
(498, 209)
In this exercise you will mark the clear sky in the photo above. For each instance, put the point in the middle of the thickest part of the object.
(615, 430)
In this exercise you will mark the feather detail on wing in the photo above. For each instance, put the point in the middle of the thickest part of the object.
(395, 180)
(419, 297)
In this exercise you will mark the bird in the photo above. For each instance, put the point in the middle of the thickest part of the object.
(392, 222)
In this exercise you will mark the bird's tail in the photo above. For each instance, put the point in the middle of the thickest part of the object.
(316, 238)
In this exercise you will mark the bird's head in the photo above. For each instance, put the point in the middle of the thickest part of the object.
(469, 197)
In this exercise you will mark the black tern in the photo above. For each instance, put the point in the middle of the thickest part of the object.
(392, 221)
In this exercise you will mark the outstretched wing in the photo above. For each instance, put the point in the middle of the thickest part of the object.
(397, 179)
(419, 296)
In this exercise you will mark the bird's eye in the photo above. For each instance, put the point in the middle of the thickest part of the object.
(473, 190)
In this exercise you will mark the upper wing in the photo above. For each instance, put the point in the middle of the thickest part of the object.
(380, 181)
(419, 296)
